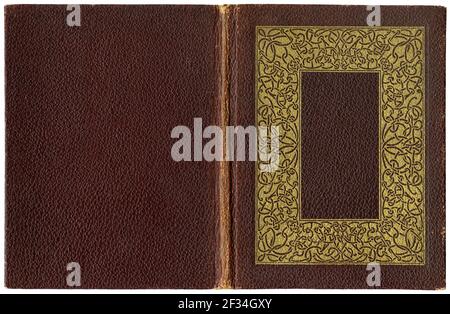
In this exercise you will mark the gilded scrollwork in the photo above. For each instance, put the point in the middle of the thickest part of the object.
(397, 54)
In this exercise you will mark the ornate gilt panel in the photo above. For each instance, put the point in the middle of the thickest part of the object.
(397, 54)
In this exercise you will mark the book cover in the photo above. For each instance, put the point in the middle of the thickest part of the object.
(95, 198)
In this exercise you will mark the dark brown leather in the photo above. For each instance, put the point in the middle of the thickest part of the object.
(250, 275)
(339, 158)
(90, 178)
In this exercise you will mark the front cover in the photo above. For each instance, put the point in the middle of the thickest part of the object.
(357, 96)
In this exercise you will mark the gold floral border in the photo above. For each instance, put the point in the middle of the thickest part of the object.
(397, 53)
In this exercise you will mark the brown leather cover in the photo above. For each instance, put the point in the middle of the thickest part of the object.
(339, 169)
(90, 178)
(249, 274)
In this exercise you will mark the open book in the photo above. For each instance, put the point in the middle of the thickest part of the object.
(225, 146)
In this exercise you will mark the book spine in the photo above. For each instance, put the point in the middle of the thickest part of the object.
(224, 255)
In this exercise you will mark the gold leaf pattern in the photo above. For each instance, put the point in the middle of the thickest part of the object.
(397, 54)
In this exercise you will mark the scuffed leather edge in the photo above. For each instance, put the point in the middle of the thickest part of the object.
(233, 30)
(224, 280)
(435, 102)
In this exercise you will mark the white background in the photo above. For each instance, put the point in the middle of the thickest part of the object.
(2, 145)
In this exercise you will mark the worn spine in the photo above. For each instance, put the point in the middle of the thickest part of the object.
(224, 258)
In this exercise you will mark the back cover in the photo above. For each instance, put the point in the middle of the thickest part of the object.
(91, 185)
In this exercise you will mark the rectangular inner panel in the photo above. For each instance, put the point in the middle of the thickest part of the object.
(339, 145)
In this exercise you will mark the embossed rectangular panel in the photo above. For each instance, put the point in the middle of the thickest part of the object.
(339, 145)
(283, 236)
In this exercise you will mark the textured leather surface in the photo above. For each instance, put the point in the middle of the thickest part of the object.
(250, 275)
(89, 175)
(339, 139)
(90, 178)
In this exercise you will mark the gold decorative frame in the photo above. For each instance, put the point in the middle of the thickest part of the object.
(397, 54)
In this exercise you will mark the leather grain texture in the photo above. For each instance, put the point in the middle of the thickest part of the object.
(247, 272)
(90, 178)
(339, 159)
